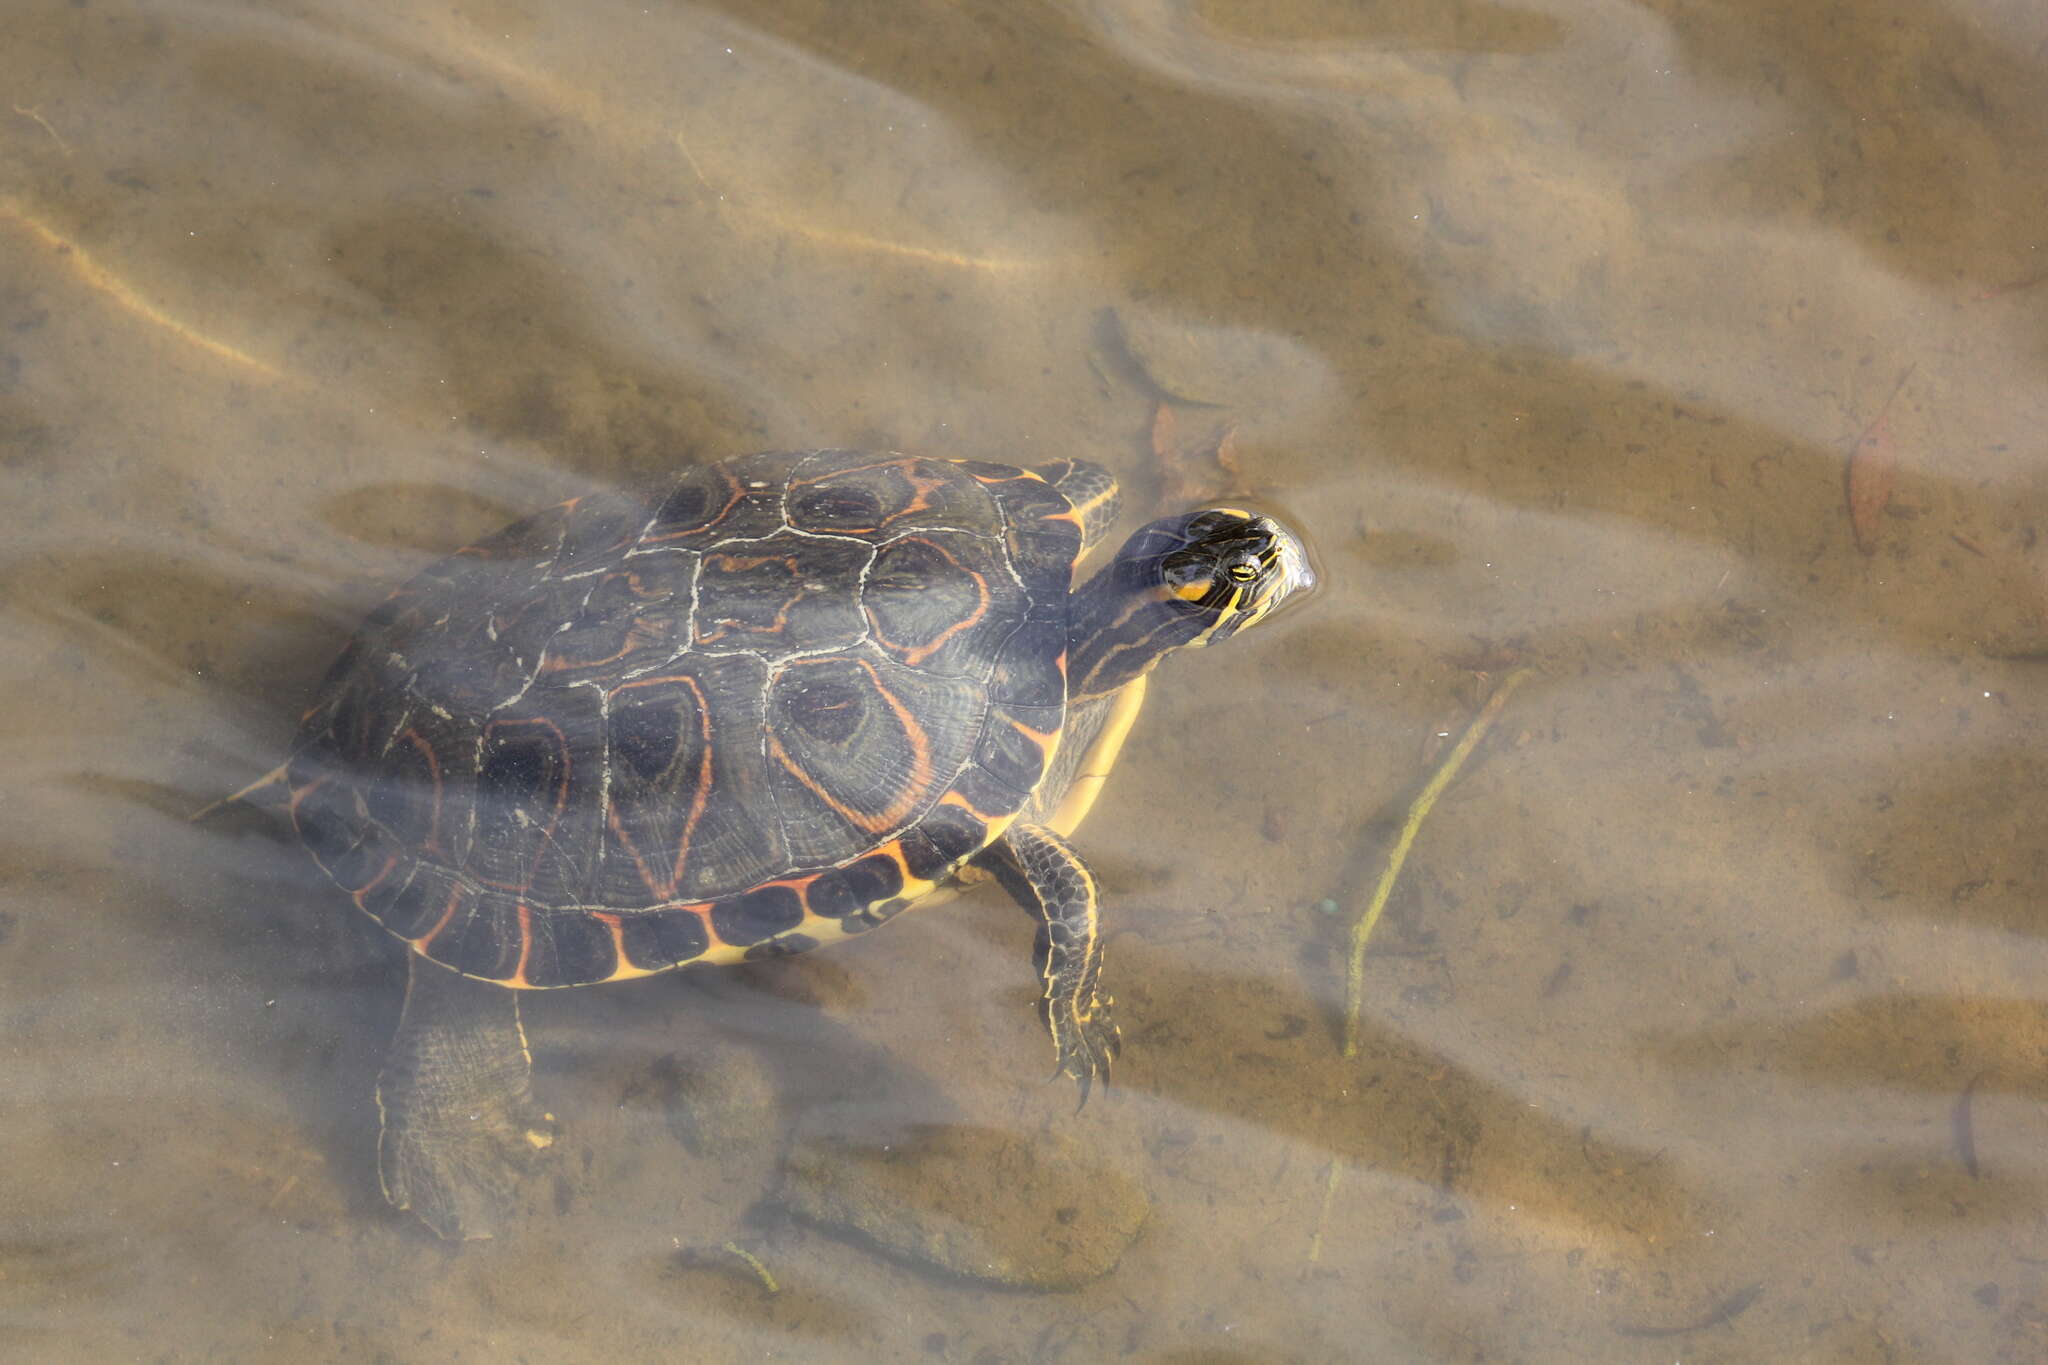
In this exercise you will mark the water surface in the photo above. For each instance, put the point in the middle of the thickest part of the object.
(1706, 1021)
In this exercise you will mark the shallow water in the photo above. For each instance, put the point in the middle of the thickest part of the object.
(1704, 1022)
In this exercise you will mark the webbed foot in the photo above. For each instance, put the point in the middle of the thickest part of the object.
(1085, 1039)
(460, 1172)
(461, 1128)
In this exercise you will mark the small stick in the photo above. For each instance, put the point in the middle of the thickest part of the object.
(1315, 1243)
(36, 113)
(1872, 469)
(1964, 1121)
(1726, 1311)
(717, 199)
(2010, 287)
(754, 1262)
(1418, 811)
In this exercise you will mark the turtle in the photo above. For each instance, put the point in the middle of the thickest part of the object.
(762, 708)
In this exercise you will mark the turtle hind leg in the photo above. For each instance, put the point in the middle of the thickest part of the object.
(1045, 874)
(460, 1125)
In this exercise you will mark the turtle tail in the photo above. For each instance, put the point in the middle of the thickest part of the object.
(274, 778)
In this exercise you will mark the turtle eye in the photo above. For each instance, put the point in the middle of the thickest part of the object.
(1244, 571)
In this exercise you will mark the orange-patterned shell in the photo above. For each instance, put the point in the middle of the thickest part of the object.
(766, 712)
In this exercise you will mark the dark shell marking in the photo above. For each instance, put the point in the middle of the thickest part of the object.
(771, 711)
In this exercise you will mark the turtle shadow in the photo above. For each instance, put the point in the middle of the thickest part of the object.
(1400, 1107)
(683, 1091)
(628, 1038)
(345, 982)
(415, 518)
(524, 353)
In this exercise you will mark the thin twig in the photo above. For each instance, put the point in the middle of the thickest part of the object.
(1361, 932)
(754, 1263)
(36, 113)
(1315, 1243)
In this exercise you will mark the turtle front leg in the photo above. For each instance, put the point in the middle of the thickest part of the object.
(460, 1125)
(1045, 874)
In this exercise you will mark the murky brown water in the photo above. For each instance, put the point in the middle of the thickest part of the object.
(1705, 1023)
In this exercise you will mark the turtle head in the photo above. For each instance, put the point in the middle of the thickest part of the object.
(1183, 581)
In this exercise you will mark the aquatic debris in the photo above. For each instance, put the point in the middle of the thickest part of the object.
(124, 296)
(1873, 465)
(721, 1256)
(35, 113)
(1330, 1179)
(1188, 472)
(1361, 932)
(1021, 1210)
(1418, 811)
(1964, 1123)
(1727, 1310)
(754, 1263)
(1487, 656)
(1997, 291)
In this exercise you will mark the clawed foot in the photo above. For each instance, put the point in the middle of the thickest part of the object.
(459, 1170)
(1086, 1040)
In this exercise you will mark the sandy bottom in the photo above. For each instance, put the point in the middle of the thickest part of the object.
(1705, 1022)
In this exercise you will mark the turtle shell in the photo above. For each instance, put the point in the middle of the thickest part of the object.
(768, 710)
